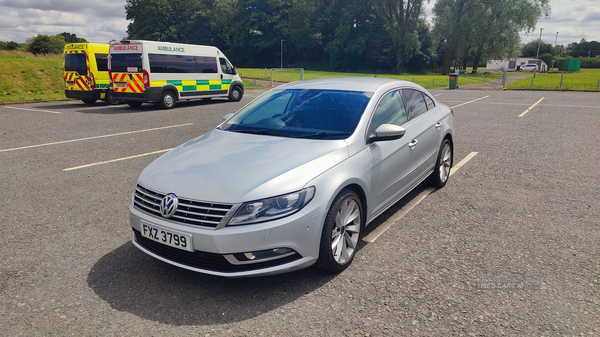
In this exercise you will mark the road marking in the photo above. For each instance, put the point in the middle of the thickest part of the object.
(531, 107)
(96, 137)
(477, 99)
(436, 95)
(374, 235)
(572, 106)
(36, 110)
(115, 160)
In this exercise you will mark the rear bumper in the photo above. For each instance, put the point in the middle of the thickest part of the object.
(149, 95)
(86, 94)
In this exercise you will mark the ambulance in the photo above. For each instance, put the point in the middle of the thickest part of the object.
(85, 68)
(164, 73)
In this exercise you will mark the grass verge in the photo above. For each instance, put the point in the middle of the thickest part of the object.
(586, 79)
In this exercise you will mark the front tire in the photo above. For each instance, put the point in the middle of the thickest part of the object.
(441, 173)
(341, 232)
(167, 101)
(236, 94)
(89, 101)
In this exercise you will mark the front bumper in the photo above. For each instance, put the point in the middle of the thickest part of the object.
(87, 94)
(298, 232)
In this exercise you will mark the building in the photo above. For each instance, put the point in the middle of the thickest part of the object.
(514, 65)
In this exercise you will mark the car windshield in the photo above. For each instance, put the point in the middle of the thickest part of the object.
(302, 113)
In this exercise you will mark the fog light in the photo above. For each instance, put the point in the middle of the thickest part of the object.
(259, 256)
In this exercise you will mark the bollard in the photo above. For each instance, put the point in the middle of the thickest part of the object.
(413, 80)
(503, 79)
(433, 83)
(301, 74)
(271, 76)
(255, 81)
(532, 81)
(561, 78)
(265, 74)
(598, 85)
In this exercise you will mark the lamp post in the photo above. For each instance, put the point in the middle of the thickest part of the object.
(282, 56)
(538, 53)
(555, 39)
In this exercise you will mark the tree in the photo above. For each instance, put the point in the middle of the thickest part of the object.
(547, 57)
(483, 28)
(72, 38)
(401, 18)
(530, 49)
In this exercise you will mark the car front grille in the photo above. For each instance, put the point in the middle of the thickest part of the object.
(190, 212)
(204, 260)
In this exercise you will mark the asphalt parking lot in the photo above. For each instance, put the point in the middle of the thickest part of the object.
(525, 207)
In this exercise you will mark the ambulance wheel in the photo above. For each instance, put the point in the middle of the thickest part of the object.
(88, 101)
(236, 94)
(135, 104)
(110, 100)
(167, 101)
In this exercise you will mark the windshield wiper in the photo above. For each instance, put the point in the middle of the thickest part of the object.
(258, 132)
(324, 134)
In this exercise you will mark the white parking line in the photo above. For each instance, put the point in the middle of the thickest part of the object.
(410, 205)
(96, 137)
(36, 110)
(531, 107)
(115, 160)
(436, 95)
(475, 100)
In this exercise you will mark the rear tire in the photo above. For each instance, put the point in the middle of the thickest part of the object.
(341, 232)
(110, 100)
(235, 95)
(167, 100)
(441, 172)
(135, 104)
(89, 101)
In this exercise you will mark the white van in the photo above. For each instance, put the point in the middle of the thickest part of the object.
(164, 73)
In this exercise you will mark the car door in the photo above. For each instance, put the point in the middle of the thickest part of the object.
(390, 160)
(425, 125)
(227, 72)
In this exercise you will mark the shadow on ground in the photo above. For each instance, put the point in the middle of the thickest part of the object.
(134, 282)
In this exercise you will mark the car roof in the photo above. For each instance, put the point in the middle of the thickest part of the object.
(369, 84)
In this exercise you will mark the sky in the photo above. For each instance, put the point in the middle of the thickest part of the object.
(101, 21)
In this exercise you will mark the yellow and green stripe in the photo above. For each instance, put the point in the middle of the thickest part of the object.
(195, 85)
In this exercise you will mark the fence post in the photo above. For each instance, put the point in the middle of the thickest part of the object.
(301, 74)
(413, 80)
(532, 81)
(271, 76)
(598, 85)
(265, 73)
(561, 79)
(503, 79)
(433, 83)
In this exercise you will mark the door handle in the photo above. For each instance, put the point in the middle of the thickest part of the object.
(221, 76)
(438, 125)
(413, 143)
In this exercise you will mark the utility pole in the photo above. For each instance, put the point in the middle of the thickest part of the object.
(282, 56)
(555, 39)
(538, 53)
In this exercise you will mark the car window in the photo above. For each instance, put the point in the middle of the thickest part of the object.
(415, 101)
(429, 101)
(310, 113)
(389, 111)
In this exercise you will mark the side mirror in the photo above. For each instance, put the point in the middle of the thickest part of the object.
(387, 132)
(226, 117)
(234, 71)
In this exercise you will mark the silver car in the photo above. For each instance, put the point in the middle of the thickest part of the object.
(292, 179)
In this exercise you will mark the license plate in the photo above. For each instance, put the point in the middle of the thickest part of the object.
(70, 83)
(167, 237)
(121, 85)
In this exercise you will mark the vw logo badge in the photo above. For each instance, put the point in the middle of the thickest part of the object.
(168, 206)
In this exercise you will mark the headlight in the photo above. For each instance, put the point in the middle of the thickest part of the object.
(272, 208)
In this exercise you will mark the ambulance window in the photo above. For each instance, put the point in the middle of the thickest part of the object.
(102, 62)
(158, 63)
(206, 65)
(76, 62)
(126, 63)
(180, 64)
(226, 67)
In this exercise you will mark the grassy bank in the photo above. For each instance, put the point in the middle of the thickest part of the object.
(586, 79)
(25, 77)
(427, 81)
